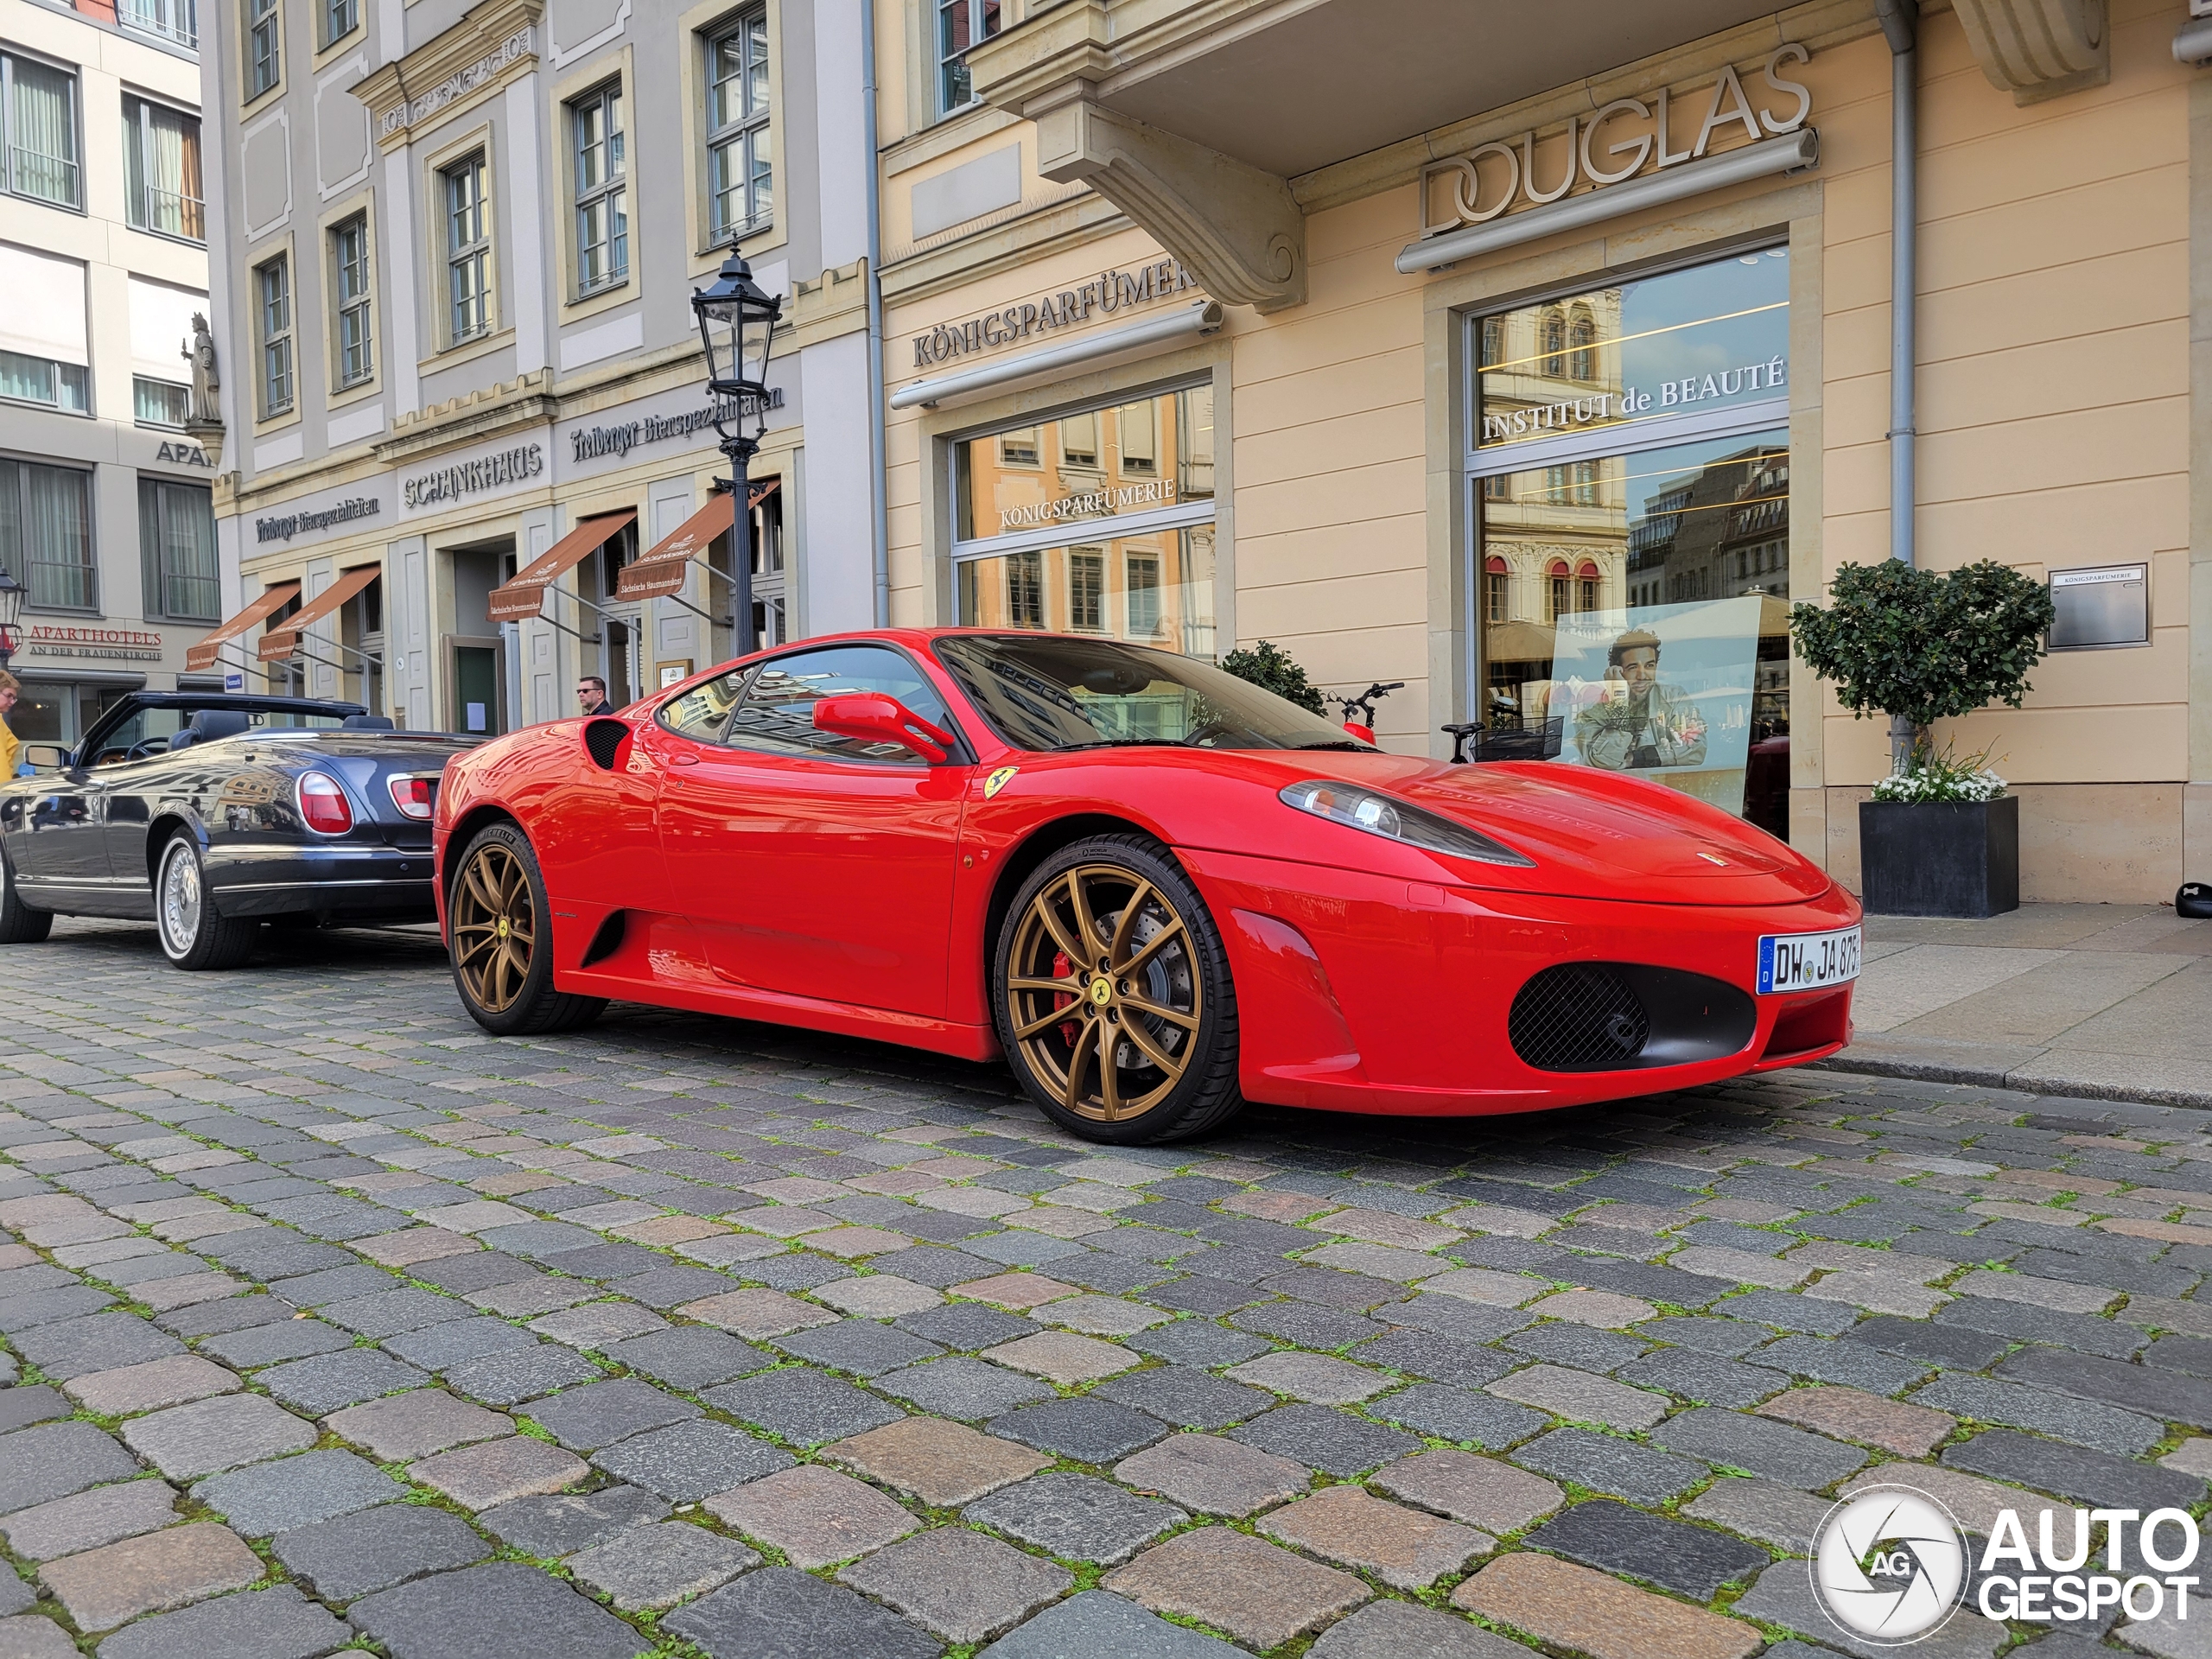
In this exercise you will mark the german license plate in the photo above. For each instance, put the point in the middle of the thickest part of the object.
(1808, 962)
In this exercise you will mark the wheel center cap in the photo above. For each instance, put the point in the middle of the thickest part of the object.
(503, 927)
(1102, 990)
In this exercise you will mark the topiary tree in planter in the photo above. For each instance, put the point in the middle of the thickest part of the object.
(1273, 668)
(1940, 837)
(1924, 645)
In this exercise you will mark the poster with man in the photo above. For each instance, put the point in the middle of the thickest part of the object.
(1663, 691)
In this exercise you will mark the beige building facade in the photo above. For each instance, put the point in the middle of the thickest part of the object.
(1433, 350)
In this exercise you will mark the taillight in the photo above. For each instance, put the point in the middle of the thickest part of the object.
(323, 806)
(414, 797)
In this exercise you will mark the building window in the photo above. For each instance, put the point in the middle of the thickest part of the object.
(176, 547)
(1582, 344)
(264, 64)
(1146, 571)
(1079, 440)
(41, 104)
(1585, 588)
(468, 250)
(603, 216)
(1024, 590)
(340, 19)
(1087, 589)
(173, 20)
(1144, 595)
(961, 24)
(161, 166)
(1493, 341)
(46, 531)
(1559, 597)
(349, 282)
(159, 402)
(1555, 333)
(65, 386)
(1497, 589)
(741, 151)
(273, 291)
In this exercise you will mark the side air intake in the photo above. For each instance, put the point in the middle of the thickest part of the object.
(603, 741)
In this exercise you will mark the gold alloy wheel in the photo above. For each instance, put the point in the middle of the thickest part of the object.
(1102, 992)
(494, 925)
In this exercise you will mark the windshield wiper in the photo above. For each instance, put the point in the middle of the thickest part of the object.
(1129, 743)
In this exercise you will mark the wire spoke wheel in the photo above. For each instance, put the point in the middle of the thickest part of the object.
(494, 926)
(1101, 994)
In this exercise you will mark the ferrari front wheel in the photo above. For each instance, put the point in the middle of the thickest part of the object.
(501, 942)
(1113, 998)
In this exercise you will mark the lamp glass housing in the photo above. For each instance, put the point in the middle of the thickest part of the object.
(737, 322)
(11, 599)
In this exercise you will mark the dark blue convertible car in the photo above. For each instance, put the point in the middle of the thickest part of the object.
(210, 815)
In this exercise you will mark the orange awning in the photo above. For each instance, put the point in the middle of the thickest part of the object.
(523, 595)
(278, 644)
(272, 600)
(659, 571)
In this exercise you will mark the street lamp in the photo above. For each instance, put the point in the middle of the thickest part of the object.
(11, 611)
(737, 318)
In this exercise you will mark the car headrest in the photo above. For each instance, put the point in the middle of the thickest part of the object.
(184, 740)
(367, 723)
(211, 723)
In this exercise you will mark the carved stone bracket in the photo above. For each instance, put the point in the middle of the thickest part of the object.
(1238, 230)
(2036, 49)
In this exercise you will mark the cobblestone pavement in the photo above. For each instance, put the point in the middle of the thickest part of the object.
(330, 1321)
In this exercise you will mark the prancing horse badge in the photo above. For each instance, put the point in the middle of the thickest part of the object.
(998, 780)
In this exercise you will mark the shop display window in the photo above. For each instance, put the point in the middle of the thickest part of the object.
(1630, 484)
(1098, 522)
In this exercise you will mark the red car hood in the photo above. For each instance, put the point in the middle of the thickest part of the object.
(1592, 834)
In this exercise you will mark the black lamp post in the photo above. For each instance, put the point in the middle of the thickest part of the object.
(737, 319)
(11, 611)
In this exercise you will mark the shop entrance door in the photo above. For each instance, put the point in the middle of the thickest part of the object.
(476, 677)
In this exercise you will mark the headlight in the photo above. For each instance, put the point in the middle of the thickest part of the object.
(1379, 815)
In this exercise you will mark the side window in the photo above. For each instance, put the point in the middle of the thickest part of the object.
(701, 713)
(778, 712)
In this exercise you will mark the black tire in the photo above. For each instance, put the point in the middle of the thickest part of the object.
(193, 935)
(1175, 1007)
(499, 939)
(19, 922)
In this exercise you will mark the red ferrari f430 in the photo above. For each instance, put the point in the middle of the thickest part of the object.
(1156, 890)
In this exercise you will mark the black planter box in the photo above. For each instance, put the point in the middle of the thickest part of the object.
(1940, 858)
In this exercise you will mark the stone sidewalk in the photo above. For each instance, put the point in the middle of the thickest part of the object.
(2104, 1000)
(330, 1323)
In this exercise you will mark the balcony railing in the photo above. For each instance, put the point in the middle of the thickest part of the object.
(173, 214)
(175, 21)
(50, 178)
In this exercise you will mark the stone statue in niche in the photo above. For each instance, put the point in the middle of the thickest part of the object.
(206, 384)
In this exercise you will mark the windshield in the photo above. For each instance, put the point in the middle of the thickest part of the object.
(1047, 692)
(147, 732)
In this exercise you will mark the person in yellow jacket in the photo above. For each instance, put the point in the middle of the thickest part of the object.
(11, 746)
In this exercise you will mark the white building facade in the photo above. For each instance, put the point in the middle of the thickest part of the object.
(458, 245)
(105, 485)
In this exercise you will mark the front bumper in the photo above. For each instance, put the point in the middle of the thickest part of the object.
(1367, 993)
(331, 882)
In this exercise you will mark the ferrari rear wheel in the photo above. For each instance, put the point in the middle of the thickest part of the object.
(19, 922)
(195, 934)
(501, 942)
(1113, 995)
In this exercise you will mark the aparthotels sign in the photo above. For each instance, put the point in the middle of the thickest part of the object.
(1609, 146)
(1114, 291)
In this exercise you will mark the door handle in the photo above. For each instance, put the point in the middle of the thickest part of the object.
(682, 759)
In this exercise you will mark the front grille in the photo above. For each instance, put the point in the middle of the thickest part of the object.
(1580, 1016)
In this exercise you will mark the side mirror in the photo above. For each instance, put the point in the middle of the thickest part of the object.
(874, 718)
(46, 757)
